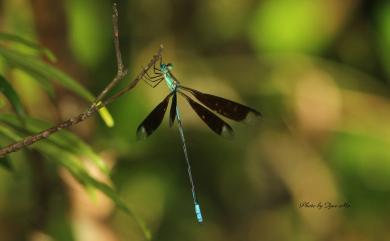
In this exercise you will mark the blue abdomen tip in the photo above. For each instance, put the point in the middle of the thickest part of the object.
(198, 213)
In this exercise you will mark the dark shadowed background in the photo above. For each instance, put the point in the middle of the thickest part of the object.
(317, 70)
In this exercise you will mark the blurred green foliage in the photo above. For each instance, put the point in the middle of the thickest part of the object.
(317, 70)
(289, 26)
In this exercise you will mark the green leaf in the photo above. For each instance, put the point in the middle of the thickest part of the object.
(43, 70)
(28, 43)
(70, 162)
(5, 162)
(74, 166)
(12, 96)
(45, 84)
(63, 139)
(106, 116)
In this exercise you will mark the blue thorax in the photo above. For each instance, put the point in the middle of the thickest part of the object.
(170, 80)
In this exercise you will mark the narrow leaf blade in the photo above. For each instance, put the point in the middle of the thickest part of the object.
(74, 166)
(9, 92)
(17, 39)
(106, 116)
(49, 72)
(63, 139)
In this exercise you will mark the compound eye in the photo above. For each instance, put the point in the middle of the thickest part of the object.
(170, 66)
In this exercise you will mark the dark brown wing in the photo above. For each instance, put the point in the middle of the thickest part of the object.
(225, 107)
(172, 114)
(153, 120)
(214, 122)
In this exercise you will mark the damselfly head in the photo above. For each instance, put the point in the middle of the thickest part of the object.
(166, 67)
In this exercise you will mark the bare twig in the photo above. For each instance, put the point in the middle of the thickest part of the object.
(121, 72)
(97, 104)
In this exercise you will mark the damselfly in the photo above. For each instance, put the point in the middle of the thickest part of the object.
(224, 107)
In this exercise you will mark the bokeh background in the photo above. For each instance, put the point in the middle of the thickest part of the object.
(317, 70)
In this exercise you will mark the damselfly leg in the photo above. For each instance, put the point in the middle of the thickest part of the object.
(153, 81)
(158, 67)
(156, 79)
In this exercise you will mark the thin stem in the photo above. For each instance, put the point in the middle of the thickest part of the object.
(121, 72)
(97, 104)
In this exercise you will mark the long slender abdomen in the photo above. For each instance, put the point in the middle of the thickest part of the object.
(198, 211)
